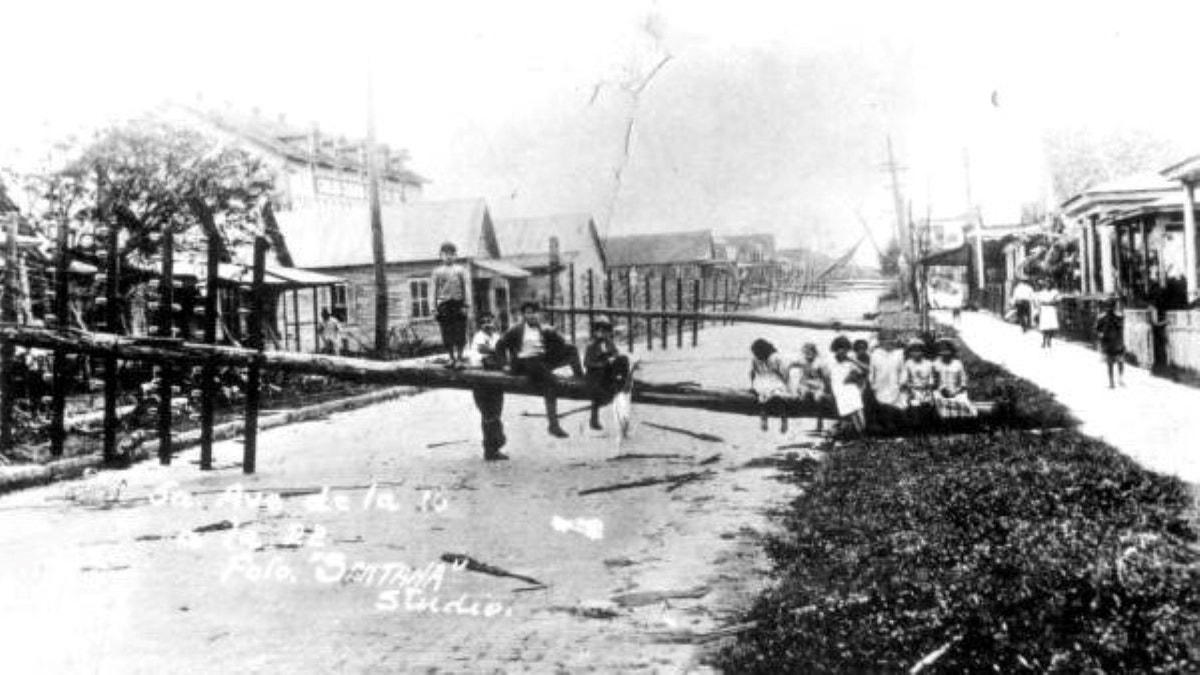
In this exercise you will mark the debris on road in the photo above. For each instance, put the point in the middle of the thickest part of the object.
(700, 436)
(643, 598)
(677, 479)
(473, 565)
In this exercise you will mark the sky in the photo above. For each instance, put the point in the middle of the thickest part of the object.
(749, 116)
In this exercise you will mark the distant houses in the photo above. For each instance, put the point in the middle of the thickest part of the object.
(526, 243)
(682, 255)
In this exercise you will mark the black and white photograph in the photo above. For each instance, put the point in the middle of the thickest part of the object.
(637, 336)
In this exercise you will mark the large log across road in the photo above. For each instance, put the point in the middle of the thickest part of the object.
(847, 326)
(177, 352)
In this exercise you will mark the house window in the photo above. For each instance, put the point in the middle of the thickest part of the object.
(418, 290)
(337, 302)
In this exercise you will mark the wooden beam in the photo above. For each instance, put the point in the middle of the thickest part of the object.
(154, 350)
(166, 299)
(855, 326)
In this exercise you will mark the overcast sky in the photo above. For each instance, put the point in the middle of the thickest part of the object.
(767, 116)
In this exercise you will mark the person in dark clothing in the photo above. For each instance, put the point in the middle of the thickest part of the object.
(535, 351)
(489, 400)
(1110, 336)
(607, 368)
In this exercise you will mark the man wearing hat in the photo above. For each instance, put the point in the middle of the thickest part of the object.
(535, 350)
(607, 368)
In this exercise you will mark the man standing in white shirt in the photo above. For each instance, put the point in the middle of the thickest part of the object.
(489, 400)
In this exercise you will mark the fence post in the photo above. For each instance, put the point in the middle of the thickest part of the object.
(696, 309)
(254, 376)
(553, 276)
(679, 306)
(166, 298)
(8, 311)
(571, 301)
(725, 305)
(591, 299)
(112, 320)
(662, 301)
(608, 292)
(208, 373)
(62, 309)
(629, 321)
(649, 320)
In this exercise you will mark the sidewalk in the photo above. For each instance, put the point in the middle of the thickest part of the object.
(1154, 421)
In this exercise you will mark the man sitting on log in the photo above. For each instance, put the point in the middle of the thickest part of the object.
(536, 351)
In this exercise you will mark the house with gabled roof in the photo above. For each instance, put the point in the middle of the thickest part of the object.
(686, 255)
(336, 240)
(527, 243)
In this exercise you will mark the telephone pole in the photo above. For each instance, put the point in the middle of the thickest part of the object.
(976, 220)
(907, 264)
(381, 287)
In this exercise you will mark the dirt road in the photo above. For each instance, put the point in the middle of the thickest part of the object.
(155, 569)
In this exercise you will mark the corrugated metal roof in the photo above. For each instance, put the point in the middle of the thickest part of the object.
(330, 236)
(660, 249)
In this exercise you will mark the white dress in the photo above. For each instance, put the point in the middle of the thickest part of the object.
(847, 395)
(1047, 310)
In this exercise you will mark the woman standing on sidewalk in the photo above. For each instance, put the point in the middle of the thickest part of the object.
(1047, 303)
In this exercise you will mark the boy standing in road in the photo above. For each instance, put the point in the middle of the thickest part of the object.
(1110, 336)
(489, 400)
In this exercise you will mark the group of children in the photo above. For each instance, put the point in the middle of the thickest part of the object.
(895, 387)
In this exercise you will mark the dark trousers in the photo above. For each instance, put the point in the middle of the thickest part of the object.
(540, 371)
(605, 381)
(490, 403)
(452, 320)
(1023, 314)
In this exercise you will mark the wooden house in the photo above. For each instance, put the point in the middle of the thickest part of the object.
(526, 243)
(336, 240)
(683, 255)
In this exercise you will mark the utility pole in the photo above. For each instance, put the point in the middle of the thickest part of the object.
(381, 286)
(903, 236)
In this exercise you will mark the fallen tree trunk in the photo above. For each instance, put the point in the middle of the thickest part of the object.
(847, 326)
(179, 353)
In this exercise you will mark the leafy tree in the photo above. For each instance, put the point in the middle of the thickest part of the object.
(1081, 157)
(153, 177)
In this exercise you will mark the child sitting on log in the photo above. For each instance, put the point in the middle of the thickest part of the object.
(607, 368)
(918, 383)
(810, 378)
(845, 379)
(950, 393)
(769, 382)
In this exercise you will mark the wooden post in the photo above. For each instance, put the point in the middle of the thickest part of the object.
(725, 306)
(553, 275)
(1189, 241)
(716, 294)
(591, 300)
(316, 300)
(679, 307)
(254, 374)
(112, 321)
(629, 305)
(62, 309)
(662, 301)
(8, 312)
(649, 320)
(166, 298)
(608, 290)
(1146, 259)
(208, 373)
(695, 308)
(571, 300)
(296, 315)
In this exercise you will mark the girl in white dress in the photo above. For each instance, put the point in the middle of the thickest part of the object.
(769, 382)
(1047, 303)
(845, 378)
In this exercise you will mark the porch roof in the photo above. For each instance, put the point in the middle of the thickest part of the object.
(498, 269)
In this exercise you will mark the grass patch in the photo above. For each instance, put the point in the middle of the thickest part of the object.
(1017, 551)
(1023, 552)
